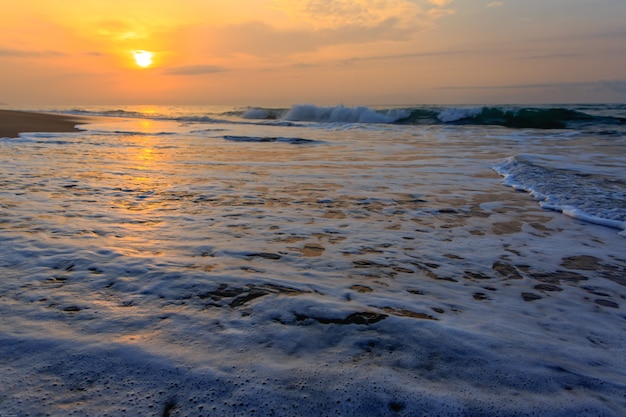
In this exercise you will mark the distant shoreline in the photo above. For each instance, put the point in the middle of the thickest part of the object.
(14, 122)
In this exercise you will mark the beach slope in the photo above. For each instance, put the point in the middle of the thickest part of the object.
(13, 122)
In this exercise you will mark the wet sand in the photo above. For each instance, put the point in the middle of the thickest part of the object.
(12, 123)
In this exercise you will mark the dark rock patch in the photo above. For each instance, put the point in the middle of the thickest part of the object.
(475, 275)
(606, 303)
(548, 287)
(56, 279)
(403, 270)
(243, 295)
(247, 297)
(361, 288)
(582, 262)
(282, 290)
(362, 318)
(366, 264)
(167, 409)
(557, 276)
(222, 292)
(312, 249)
(425, 268)
(396, 407)
(265, 255)
(616, 275)
(506, 270)
(540, 227)
(594, 291)
(529, 296)
(610, 271)
(401, 312)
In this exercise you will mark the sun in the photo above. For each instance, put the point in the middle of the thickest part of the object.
(143, 58)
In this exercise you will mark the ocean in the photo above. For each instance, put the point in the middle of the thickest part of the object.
(316, 261)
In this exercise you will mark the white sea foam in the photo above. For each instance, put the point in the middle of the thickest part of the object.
(378, 272)
(574, 190)
(454, 114)
(256, 114)
(580, 214)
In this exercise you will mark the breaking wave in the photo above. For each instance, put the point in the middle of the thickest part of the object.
(557, 117)
(512, 117)
(588, 196)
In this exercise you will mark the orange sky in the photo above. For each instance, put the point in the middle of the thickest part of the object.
(280, 52)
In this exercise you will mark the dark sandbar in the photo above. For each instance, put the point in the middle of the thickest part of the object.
(12, 123)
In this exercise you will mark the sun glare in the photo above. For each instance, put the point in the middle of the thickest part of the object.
(143, 58)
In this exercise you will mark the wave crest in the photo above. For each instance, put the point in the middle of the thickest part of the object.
(341, 114)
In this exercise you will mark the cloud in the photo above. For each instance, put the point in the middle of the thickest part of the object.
(552, 56)
(409, 55)
(20, 53)
(335, 14)
(264, 40)
(614, 86)
(307, 26)
(511, 86)
(390, 57)
(195, 70)
(494, 4)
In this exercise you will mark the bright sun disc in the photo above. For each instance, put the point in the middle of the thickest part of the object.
(143, 58)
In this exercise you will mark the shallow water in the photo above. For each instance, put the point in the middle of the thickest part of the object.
(185, 268)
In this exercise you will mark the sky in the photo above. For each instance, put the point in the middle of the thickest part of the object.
(326, 52)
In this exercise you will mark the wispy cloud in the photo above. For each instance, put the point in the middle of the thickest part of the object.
(389, 57)
(409, 55)
(511, 86)
(195, 70)
(261, 39)
(440, 3)
(551, 56)
(616, 86)
(494, 4)
(21, 53)
(334, 14)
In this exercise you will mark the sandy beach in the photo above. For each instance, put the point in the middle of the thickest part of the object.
(12, 122)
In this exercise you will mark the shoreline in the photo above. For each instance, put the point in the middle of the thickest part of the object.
(14, 122)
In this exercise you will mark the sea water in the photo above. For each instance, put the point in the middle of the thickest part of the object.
(408, 260)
